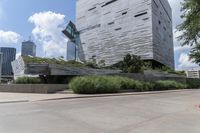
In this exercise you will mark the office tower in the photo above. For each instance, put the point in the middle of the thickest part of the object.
(9, 55)
(28, 48)
(71, 51)
(110, 29)
(1, 61)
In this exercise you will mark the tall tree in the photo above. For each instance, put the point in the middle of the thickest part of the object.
(190, 28)
(191, 25)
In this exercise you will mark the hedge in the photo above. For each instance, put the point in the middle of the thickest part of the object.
(193, 83)
(168, 85)
(112, 84)
(28, 80)
(94, 85)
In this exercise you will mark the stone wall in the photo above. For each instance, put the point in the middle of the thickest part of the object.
(33, 88)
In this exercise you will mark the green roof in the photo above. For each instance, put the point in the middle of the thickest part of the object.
(59, 61)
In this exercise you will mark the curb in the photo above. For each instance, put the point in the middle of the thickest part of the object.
(117, 94)
(23, 101)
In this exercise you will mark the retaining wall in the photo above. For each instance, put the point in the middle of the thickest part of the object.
(153, 76)
(33, 88)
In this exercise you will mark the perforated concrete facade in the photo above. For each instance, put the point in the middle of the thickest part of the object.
(110, 29)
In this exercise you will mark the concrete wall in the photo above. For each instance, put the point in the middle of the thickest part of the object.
(110, 31)
(162, 32)
(32, 88)
(153, 76)
(52, 69)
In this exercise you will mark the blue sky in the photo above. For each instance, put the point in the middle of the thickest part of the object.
(44, 19)
(17, 12)
(14, 16)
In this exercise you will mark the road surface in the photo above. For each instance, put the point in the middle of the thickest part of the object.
(177, 112)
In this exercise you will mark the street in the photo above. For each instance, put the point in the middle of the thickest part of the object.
(176, 112)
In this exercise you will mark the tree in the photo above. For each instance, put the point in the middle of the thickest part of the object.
(191, 25)
(92, 62)
(195, 54)
(101, 64)
(130, 64)
(190, 28)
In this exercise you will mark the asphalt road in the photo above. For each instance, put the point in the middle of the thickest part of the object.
(154, 113)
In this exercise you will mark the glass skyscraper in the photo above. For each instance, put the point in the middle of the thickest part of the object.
(1, 60)
(9, 55)
(28, 48)
(71, 51)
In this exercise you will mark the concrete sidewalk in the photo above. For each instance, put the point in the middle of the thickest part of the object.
(28, 97)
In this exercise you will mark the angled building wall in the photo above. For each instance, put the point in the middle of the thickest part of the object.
(163, 47)
(110, 29)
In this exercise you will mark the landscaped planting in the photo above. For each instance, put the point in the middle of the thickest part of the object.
(28, 80)
(168, 85)
(112, 84)
(94, 85)
(193, 83)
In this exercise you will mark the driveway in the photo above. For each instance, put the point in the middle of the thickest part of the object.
(175, 112)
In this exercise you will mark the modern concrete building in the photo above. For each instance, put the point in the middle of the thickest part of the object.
(21, 68)
(195, 73)
(28, 48)
(9, 55)
(110, 29)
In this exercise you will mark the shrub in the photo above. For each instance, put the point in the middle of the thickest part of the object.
(101, 64)
(94, 85)
(127, 83)
(168, 85)
(92, 62)
(58, 61)
(103, 84)
(28, 80)
(148, 86)
(193, 83)
(112, 84)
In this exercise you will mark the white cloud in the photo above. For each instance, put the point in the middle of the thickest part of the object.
(47, 30)
(185, 62)
(9, 37)
(181, 48)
